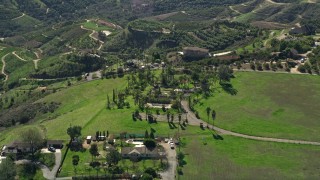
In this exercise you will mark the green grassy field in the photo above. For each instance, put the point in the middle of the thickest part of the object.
(85, 105)
(236, 158)
(271, 105)
(94, 26)
(274, 105)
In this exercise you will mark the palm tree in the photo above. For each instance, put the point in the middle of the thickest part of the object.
(208, 109)
(168, 116)
(213, 115)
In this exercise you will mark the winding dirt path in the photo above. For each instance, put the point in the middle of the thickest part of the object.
(23, 14)
(235, 10)
(92, 37)
(35, 61)
(270, 1)
(195, 121)
(16, 55)
(3, 67)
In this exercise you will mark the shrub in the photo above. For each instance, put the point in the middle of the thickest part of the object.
(151, 171)
(150, 143)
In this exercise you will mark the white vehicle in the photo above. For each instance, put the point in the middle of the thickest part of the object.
(172, 145)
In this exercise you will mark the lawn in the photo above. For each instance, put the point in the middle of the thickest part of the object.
(94, 26)
(271, 105)
(85, 105)
(236, 158)
(84, 168)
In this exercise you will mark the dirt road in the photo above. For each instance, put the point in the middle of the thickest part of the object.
(3, 67)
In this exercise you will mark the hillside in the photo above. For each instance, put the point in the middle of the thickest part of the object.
(159, 89)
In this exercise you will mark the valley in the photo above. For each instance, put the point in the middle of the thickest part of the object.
(159, 89)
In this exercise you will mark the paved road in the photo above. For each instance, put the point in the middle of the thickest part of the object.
(170, 173)
(193, 120)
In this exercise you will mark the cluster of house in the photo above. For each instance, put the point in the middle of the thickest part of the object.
(134, 153)
(17, 147)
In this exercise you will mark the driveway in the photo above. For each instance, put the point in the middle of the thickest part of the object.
(170, 173)
(46, 171)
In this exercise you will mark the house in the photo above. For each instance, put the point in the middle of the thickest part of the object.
(57, 144)
(89, 139)
(17, 147)
(195, 53)
(135, 153)
(317, 43)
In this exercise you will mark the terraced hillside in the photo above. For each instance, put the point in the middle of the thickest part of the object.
(288, 12)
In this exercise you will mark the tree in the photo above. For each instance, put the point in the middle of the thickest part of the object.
(7, 169)
(150, 143)
(33, 137)
(94, 150)
(151, 171)
(108, 102)
(168, 116)
(302, 68)
(213, 116)
(97, 135)
(146, 134)
(75, 162)
(208, 110)
(151, 135)
(224, 73)
(113, 96)
(113, 157)
(252, 66)
(146, 176)
(74, 132)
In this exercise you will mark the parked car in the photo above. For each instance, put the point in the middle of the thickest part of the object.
(172, 145)
(52, 149)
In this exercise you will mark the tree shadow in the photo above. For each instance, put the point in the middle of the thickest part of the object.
(217, 137)
(228, 88)
(182, 127)
(152, 130)
(170, 125)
